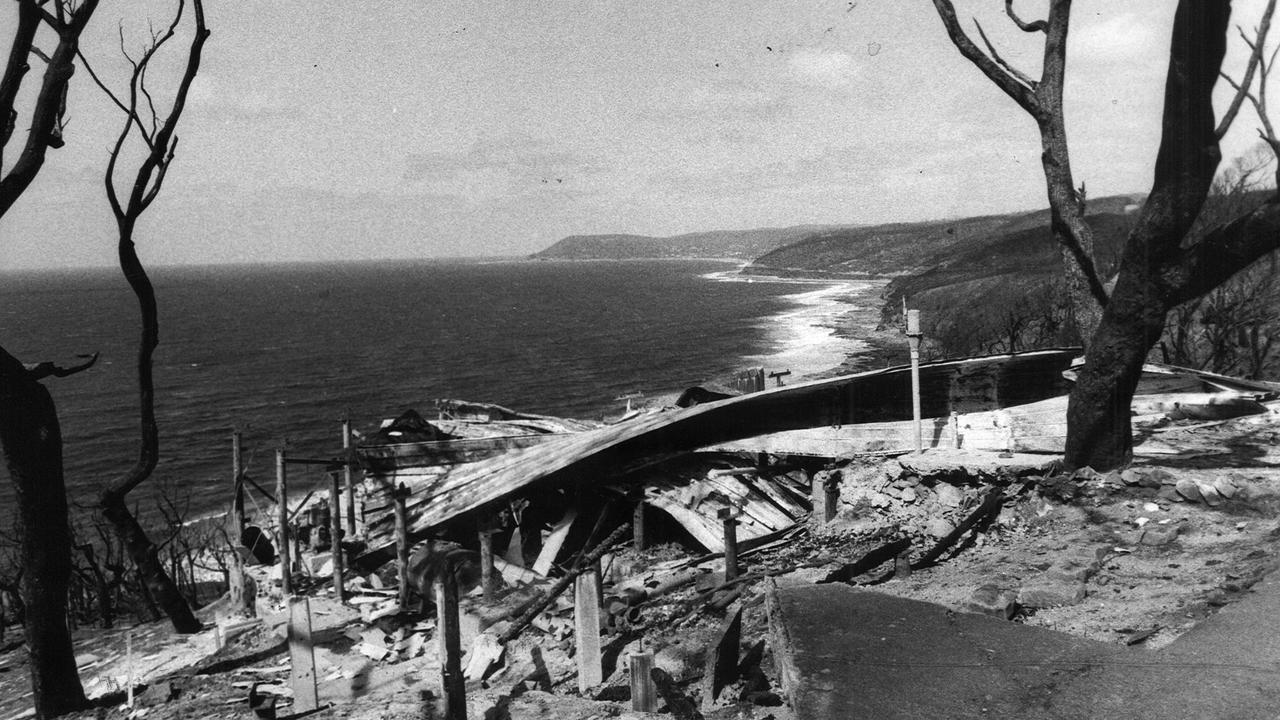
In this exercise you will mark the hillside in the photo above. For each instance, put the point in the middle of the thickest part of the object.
(742, 244)
(986, 244)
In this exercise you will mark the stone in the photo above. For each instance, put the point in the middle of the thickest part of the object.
(948, 495)
(1131, 476)
(158, 692)
(993, 600)
(1051, 592)
(908, 494)
(940, 527)
(1167, 492)
(1189, 489)
(1158, 535)
(1210, 495)
(1225, 488)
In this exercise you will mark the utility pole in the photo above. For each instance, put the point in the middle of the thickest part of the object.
(913, 338)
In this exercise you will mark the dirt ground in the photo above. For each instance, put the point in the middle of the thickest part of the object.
(1137, 557)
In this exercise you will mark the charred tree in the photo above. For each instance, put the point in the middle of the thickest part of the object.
(32, 440)
(1163, 264)
(158, 136)
(30, 435)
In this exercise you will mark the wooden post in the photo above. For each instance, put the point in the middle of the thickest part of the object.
(818, 494)
(235, 529)
(349, 456)
(637, 519)
(644, 696)
(913, 339)
(128, 667)
(282, 520)
(302, 657)
(954, 424)
(486, 559)
(335, 547)
(730, 519)
(402, 543)
(450, 646)
(586, 619)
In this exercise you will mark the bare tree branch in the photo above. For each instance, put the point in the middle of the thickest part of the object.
(1011, 86)
(1255, 57)
(48, 107)
(995, 55)
(45, 369)
(1034, 26)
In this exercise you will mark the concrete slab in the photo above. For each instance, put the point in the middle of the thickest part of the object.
(850, 653)
(1226, 667)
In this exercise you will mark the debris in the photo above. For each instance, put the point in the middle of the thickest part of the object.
(484, 656)
(680, 705)
(721, 667)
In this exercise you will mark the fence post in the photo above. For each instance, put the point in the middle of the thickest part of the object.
(730, 518)
(487, 530)
(637, 518)
(282, 518)
(450, 646)
(302, 657)
(644, 696)
(349, 456)
(402, 543)
(586, 618)
(240, 602)
(335, 547)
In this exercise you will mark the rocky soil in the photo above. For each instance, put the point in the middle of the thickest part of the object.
(1137, 557)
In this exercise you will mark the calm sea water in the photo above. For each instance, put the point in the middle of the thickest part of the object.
(284, 352)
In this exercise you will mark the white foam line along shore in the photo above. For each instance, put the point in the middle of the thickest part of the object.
(804, 336)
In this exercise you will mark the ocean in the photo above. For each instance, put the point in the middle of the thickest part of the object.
(283, 353)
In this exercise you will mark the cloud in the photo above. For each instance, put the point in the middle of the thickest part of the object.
(511, 165)
(822, 68)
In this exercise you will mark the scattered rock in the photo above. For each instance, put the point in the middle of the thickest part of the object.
(1050, 592)
(948, 495)
(940, 527)
(1225, 488)
(993, 600)
(1189, 489)
(1211, 496)
(1158, 535)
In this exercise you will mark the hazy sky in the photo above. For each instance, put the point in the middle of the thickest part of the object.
(353, 130)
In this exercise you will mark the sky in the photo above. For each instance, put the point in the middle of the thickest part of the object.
(328, 131)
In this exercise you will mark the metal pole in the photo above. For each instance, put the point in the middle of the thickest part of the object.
(913, 338)
(282, 518)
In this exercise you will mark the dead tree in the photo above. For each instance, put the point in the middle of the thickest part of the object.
(1042, 100)
(1162, 265)
(158, 135)
(30, 435)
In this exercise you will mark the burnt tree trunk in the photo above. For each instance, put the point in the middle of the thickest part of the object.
(32, 442)
(143, 552)
(146, 558)
(1098, 414)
